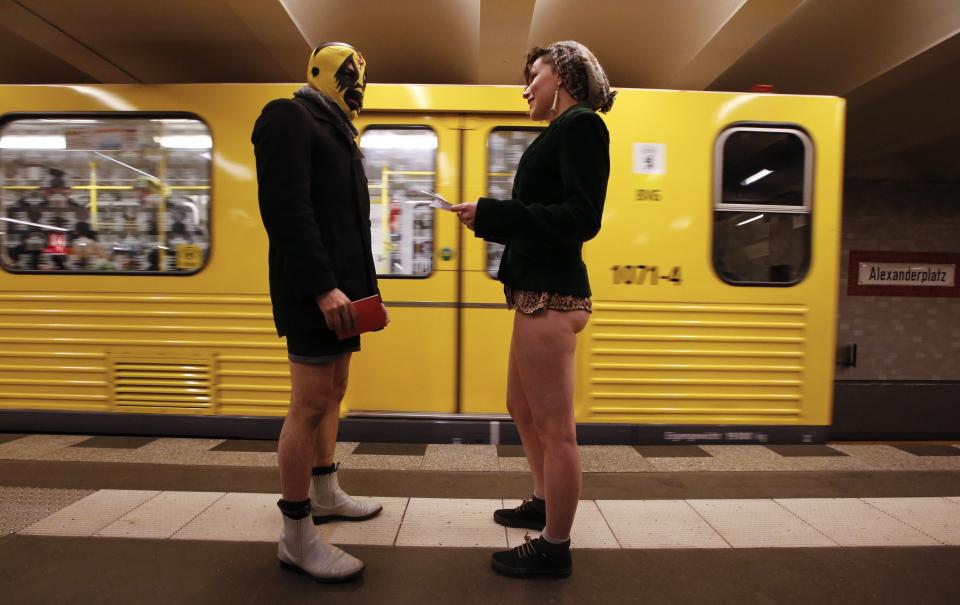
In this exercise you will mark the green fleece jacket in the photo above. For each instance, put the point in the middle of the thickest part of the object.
(555, 206)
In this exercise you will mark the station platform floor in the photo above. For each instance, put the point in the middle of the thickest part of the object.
(88, 519)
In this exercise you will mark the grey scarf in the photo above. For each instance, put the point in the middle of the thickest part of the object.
(339, 118)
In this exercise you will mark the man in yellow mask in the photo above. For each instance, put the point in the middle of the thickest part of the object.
(339, 72)
(315, 207)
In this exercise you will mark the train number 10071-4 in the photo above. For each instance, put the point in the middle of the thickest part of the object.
(645, 275)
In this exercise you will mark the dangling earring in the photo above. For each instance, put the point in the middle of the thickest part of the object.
(556, 99)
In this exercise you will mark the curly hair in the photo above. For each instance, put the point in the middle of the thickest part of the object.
(535, 53)
(579, 71)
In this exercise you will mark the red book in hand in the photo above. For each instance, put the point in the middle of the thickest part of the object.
(370, 316)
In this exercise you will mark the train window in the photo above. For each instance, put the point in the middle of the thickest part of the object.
(505, 146)
(400, 163)
(105, 194)
(762, 205)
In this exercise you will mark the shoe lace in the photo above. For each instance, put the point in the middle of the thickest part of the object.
(524, 506)
(526, 549)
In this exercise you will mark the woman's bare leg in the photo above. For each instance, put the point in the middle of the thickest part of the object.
(520, 412)
(544, 346)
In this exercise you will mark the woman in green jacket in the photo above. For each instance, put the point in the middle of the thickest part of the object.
(555, 206)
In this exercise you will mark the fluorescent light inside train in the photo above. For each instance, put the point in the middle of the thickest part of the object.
(105, 156)
(33, 142)
(49, 227)
(377, 140)
(756, 177)
(186, 141)
(750, 220)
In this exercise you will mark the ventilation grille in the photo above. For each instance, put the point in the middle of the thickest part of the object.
(162, 384)
(708, 362)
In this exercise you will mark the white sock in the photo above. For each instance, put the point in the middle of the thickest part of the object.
(544, 535)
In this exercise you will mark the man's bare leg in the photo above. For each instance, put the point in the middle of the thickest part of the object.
(314, 397)
(328, 501)
(326, 439)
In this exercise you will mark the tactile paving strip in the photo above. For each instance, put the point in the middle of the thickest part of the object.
(612, 459)
(24, 506)
(379, 462)
(852, 522)
(242, 517)
(939, 518)
(36, 446)
(8, 437)
(381, 530)
(443, 522)
(589, 530)
(115, 441)
(162, 516)
(91, 514)
(658, 524)
(468, 457)
(757, 524)
(465, 523)
(391, 449)
(443, 457)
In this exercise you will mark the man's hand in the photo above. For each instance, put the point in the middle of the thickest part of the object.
(337, 311)
(467, 213)
(385, 314)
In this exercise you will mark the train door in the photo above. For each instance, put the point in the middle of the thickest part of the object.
(411, 366)
(492, 148)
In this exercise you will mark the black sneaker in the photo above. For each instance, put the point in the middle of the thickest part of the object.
(528, 515)
(535, 557)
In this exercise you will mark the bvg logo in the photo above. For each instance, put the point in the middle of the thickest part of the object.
(189, 256)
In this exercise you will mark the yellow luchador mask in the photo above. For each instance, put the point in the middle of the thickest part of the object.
(338, 70)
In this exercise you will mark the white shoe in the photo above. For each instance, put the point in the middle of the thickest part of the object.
(302, 549)
(329, 502)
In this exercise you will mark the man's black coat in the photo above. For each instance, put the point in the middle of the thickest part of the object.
(315, 206)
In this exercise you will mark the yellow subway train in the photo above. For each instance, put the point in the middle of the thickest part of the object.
(133, 290)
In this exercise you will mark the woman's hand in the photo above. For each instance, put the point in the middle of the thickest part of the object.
(467, 213)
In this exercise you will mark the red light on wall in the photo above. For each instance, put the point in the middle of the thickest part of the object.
(763, 88)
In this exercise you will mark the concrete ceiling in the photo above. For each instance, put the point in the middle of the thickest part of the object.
(896, 61)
